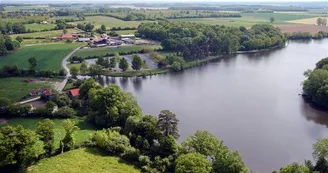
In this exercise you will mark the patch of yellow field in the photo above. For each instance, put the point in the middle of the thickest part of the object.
(308, 21)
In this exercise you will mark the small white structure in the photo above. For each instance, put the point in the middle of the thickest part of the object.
(44, 22)
(104, 35)
(130, 36)
(83, 39)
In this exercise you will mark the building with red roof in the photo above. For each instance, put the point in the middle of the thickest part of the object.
(66, 36)
(74, 92)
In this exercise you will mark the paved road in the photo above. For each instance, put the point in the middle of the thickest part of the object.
(29, 100)
(68, 74)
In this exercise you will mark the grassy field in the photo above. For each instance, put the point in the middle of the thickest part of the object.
(39, 27)
(249, 19)
(49, 56)
(309, 21)
(54, 33)
(83, 160)
(122, 32)
(81, 135)
(27, 7)
(103, 51)
(15, 88)
(109, 22)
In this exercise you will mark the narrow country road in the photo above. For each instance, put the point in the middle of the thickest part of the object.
(68, 74)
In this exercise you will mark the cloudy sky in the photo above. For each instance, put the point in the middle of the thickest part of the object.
(122, 1)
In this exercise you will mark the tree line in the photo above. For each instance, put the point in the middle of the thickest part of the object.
(196, 41)
(8, 45)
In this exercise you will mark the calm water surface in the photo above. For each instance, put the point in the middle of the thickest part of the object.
(251, 102)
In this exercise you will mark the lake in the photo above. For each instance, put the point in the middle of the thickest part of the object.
(251, 102)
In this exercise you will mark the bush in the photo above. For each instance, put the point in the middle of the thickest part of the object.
(65, 112)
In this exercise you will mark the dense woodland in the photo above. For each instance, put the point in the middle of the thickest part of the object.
(196, 41)
(7, 44)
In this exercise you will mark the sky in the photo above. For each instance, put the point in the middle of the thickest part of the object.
(123, 1)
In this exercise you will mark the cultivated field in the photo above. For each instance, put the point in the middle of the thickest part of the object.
(83, 160)
(27, 7)
(124, 32)
(109, 22)
(39, 27)
(103, 51)
(15, 88)
(289, 28)
(309, 21)
(81, 135)
(49, 56)
(54, 33)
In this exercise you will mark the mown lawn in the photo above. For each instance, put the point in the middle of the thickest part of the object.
(49, 56)
(109, 22)
(105, 50)
(84, 160)
(53, 33)
(39, 27)
(86, 129)
(15, 88)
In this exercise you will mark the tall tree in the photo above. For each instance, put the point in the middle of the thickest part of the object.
(33, 63)
(68, 142)
(319, 21)
(45, 130)
(136, 62)
(272, 19)
(193, 162)
(124, 65)
(84, 68)
(65, 31)
(74, 71)
(320, 149)
(168, 123)
(112, 63)
(103, 27)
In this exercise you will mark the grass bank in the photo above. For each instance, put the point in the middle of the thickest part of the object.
(84, 160)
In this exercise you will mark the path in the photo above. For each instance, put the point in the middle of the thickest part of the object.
(68, 74)
(29, 100)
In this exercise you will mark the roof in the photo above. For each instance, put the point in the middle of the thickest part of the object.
(47, 93)
(75, 92)
(83, 39)
(67, 36)
(129, 35)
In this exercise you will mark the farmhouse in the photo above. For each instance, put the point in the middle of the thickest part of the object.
(74, 93)
(39, 92)
(66, 37)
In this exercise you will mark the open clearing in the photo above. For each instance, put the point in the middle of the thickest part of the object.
(83, 160)
(289, 28)
(54, 33)
(109, 22)
(86, 129)
(39, 27)
(110, 50)
(309, 21)
(49, 56)
(15, 88)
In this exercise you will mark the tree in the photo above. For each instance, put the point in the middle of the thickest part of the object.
(293, 168)
(33, 63)
(168, 123)
(65, 112)
(9, 43)
(204, 143)
(136, 62)
(95, 69)
(123, 64)
(324, 22)
(19, 39)
(50, 105)
(176, 66)
(65, 31)
(112, 63)
(103, 27)
(86, 87)
(18, 146)
(192, 162)
(89, 27)
(100, 61)
(320, 149)
(321, 165)
(74, 71)
(319, 21)
(68, 142)
(111, 106)
(45, 130)
(4, 102)
(226, 162)
(106, 63)
(84, 68)
(272, 19)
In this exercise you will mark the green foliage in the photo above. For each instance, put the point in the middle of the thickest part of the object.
(320, 149)
(74, 71)
(124, 65)
(18, 146)
(85, 88)
(176, 66)
(204, 143)
(168, 123)
(84, 68)
(61, 100)
(33, 63)
(193, 162)
(226, 162)
(95, 69)
(111, 141)
(45, 130)
(112, 63)
(4, 102)
(111, 106)
(65, 112)
(136, 62)
(294, 168)
(19, 39)
(68, 142)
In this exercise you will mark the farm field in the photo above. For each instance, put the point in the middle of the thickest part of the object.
(83, 160)
(27, 7)
(249, 19)
(109, 22)
(54, 33)
(15, 88)
(39, 27)
(125, 32)
(86, 129)
(313, 29)
(49, 56)
(106, 50)
(309, 21)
